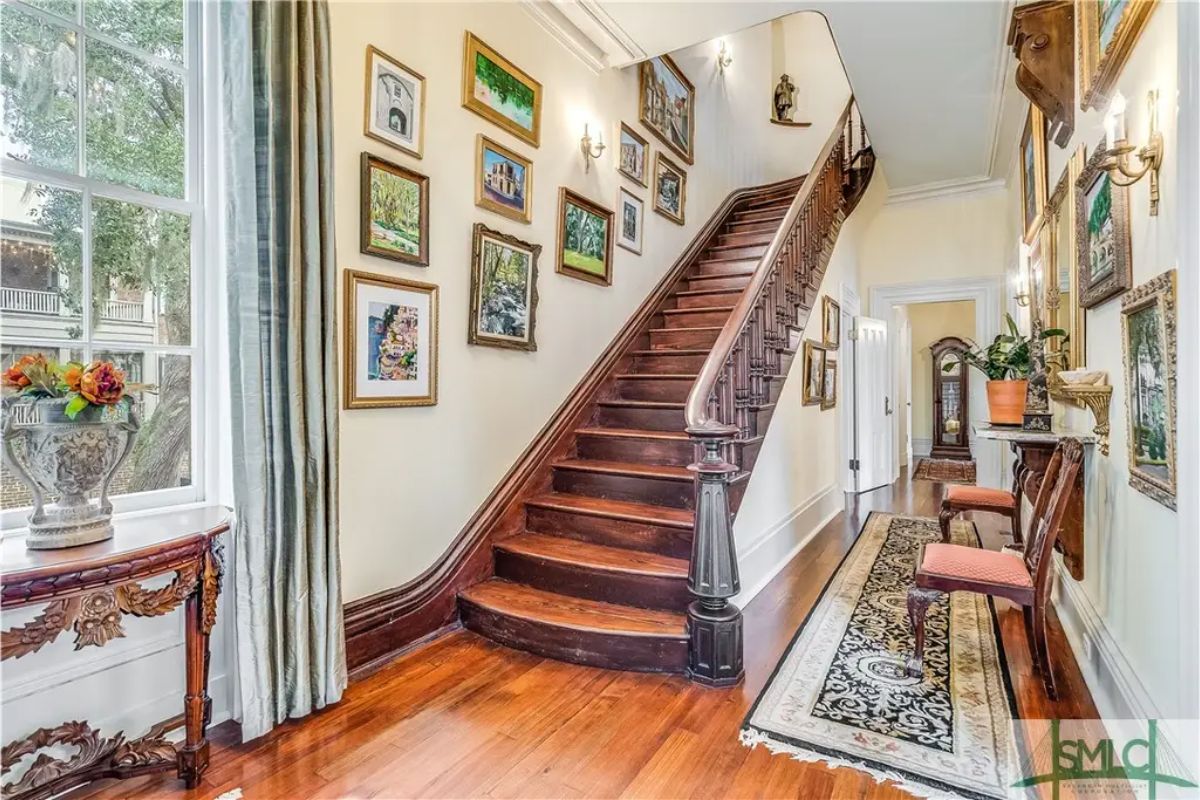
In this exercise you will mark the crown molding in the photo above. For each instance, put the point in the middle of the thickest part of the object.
(566, 33)
(587, 31)
(957, 186)
(631, 51)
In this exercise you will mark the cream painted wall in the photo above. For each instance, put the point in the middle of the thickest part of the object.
(930, 322)
(411, 477)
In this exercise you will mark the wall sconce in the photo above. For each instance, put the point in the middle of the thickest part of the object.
(590, 152)
(1116, 163)
(724, 57)
(1021, 287)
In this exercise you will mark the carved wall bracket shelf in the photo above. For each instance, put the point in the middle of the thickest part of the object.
(787, 123)
(1095, 398)
(1042, 36)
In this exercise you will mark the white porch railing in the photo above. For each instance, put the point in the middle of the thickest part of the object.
(33, 301)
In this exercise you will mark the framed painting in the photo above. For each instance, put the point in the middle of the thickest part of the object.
(395, 103)
(503, 290)
(629, 221)
(831, 323)
(814, 373)
(394, 211)
(1148, 320)
(632, 158)
(829, 385)
(1033, 172)
(499, 91)
(1107, 31)
(391, 340)
(1102, 243)
(503, 180)
(670, 188)
(1061, 308)
(585, 238)
(667, 105)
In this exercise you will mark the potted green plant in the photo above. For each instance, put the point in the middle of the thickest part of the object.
(1006, 363)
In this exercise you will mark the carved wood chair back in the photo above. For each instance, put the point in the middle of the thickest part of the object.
(1049, 510)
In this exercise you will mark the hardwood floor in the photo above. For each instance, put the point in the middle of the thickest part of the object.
(463, 717)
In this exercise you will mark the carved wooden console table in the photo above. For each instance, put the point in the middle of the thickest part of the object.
(1033, 451)
(89, 589)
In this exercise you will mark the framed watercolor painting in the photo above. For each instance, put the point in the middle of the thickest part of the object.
(667, 105)
(498, 90)
(1102, 244)
(585, 238)
(395, 103)
(503, 180)
(391, 340)
(394, 211)
(632, 158)
(831, 323)
(629, 221)
(1033, 172)
(670, 188)
(813, 391)
(829, 385)
(503, 290)
(1148, 322)
(1107, 31)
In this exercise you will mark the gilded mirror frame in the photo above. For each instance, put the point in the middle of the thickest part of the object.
(1060, 228)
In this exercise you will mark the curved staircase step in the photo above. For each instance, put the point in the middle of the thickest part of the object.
(625, 444)
(657, 484)
(625, 510)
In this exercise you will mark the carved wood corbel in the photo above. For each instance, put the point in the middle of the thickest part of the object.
(1042, 36)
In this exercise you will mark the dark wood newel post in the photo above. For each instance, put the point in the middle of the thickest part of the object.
(714, 624)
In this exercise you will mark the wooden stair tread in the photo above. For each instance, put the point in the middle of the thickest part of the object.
(632, 433)
(686, 328)
(619, 402)
(699, 310)
(663, 516)
(576, 613)
(595, 556)
(680, 352)
(661, 471)
(702, 293)
(656, 376)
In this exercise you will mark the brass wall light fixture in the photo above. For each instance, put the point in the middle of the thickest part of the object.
(1116, 163)
(724, 57)
(1020, 283)
(589, 151)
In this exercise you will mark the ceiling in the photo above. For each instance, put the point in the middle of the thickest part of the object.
(930, 77)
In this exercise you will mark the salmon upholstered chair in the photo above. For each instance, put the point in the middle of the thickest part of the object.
(979, 498)
(1022, 576)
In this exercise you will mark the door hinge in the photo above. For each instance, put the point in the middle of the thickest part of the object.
(854, 464)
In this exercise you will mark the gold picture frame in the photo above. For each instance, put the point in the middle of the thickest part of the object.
(1032, 154)
(1061, 304)
(831, 323)
(638, 146)
(655, 104)
(669, 203)
(1105, 44)
(813, 390)
(578, 264)
(829, 393)
(492, 196)
(393, 245)
(475, 49)
(1114, 275)
(413, 83)
(477, 332)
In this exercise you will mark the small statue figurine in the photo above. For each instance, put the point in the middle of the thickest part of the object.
(785, 94)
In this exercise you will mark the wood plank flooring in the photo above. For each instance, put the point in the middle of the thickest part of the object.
(463, 717)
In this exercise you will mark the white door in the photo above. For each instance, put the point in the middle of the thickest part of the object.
(873, 405)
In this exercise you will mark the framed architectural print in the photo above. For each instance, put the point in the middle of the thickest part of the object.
(632, 158)
(585, 239)
(1148, 334)
(814, 373)
(391, 340)
(498, 90)
(503, 290)
(394, 211)
(1107, 31)
(1102, 243)
(831, 323)
(829, 385)
(629, 221)
(670, 188)
(395, 103)
(667, 105)
(1033, 172)
(503, 180)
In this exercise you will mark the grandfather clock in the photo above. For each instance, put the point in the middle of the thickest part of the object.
(951, 426)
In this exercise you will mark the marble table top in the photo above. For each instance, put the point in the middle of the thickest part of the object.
(1013, 433)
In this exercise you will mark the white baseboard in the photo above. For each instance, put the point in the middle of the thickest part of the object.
(921, 447)
(770, 552)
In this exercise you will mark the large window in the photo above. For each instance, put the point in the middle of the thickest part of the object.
(100, 215)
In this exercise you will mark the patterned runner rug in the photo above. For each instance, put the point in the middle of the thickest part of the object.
(945, 470)
(840, 694)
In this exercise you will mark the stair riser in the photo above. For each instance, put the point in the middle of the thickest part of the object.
(639, 489)
(609, 651)
(683, 339)
(697, 319)
(676, 542)
(749, 454)
(714, 268)
(744, 251)
(646, 419)
(668, 363)
(721, 282)
(672, 390)
(678, 453)
(643, 591)
(752, 227)
(760, 215)
(752, 239)
(707, 300)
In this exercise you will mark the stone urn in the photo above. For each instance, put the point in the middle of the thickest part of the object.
(68, 459)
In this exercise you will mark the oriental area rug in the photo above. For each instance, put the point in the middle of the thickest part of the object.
(945, 470)
(841, 696)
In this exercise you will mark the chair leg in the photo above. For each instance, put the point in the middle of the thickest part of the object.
(1031, 638)
(918, 604)
(944, 517)
(1043, 647)
(1018, 539)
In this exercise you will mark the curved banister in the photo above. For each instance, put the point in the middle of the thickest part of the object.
(697, 411)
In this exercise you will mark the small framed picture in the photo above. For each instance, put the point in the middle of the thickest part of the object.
(670, 188)
(814, 374)
(503, 180)
(585, 239)
(395, 103)
(391, 341)
(632, 161)
(1033, 172)
(1102, 241)
(831, 323)
(1149, 323)
(829, 385)
(667, 105)
(629, 221)
(500, 91)
(394, 211)
(503, 290)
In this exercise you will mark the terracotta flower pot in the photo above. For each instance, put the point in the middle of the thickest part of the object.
(1006, 401)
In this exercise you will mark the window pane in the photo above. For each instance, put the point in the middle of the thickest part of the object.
(38, 91)
(134, 122)
(155, 26)
(40, 277)
(141, 274)
(66, 9)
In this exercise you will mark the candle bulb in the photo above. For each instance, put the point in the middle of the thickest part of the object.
(1116, 114)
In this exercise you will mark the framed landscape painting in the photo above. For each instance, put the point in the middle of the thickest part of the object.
(394, 211)
(629, 221)
(632, 158)
(670, 188)
(391, 329)
(1107, 31)
(813, 391)
(829, 385)
(1148, 321)
(831, 323)
(1033, 172)
(667, 105)
(1102, 244)
(395, 103)
(503, 180)
(585, 238)
(498, 90)
(503, 290)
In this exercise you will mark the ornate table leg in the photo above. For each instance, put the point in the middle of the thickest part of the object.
(1018, 481)
(201, 616)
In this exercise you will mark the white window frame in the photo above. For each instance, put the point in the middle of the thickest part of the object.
(196, 201)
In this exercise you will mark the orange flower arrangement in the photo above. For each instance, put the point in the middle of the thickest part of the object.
(99, 383)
